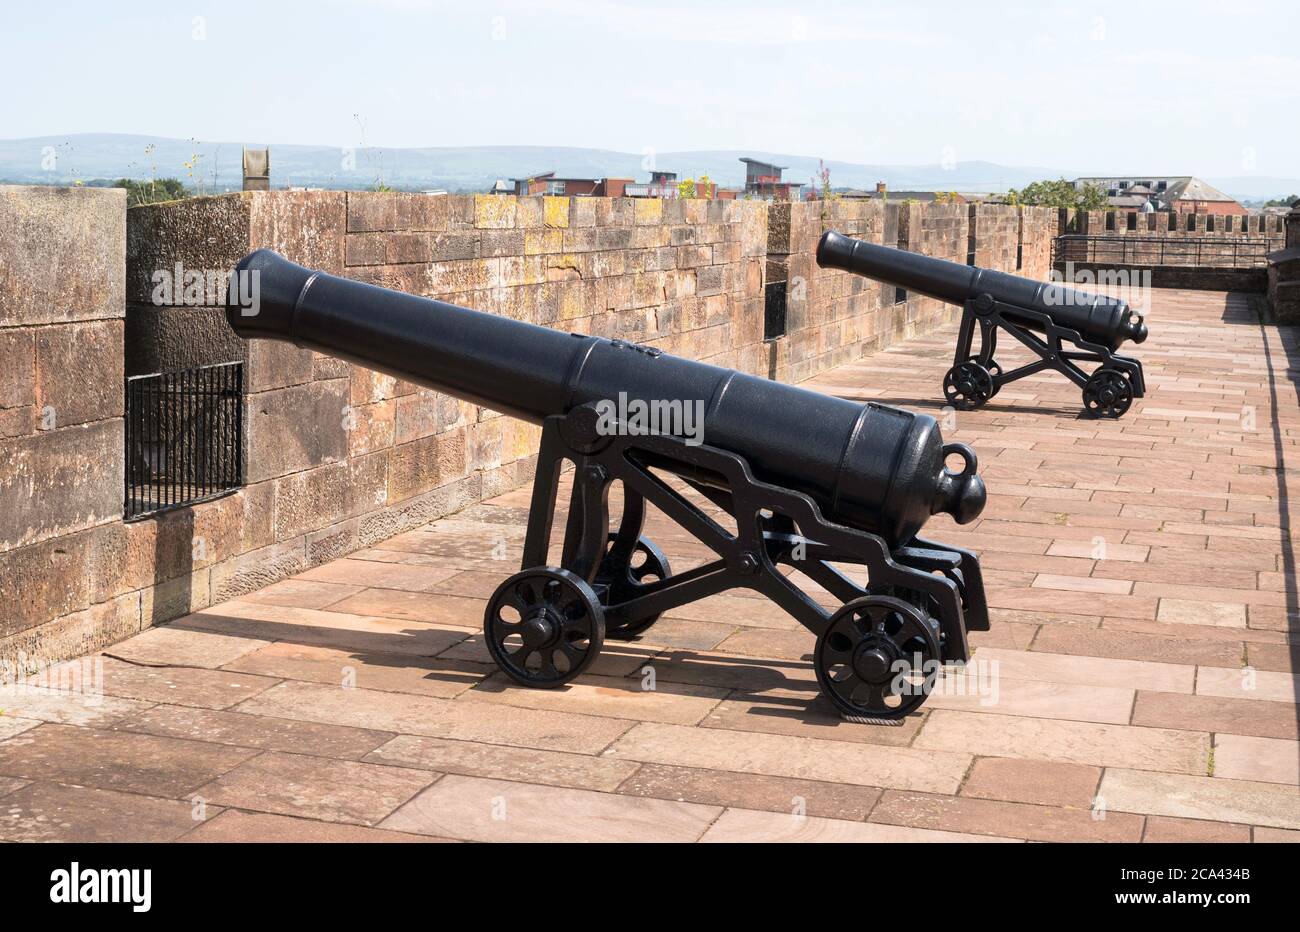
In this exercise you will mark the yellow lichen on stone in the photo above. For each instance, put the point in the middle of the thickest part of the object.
(648, 210)
(555, 211)
(520, 439)
(571, 301)
(494, 211)
(539, 242)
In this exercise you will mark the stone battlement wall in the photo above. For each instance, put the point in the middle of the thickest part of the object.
(1098, 222)
(338, 457)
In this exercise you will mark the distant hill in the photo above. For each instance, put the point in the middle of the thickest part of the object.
(214, 166)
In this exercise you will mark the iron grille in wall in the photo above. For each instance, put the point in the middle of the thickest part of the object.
(184, 437)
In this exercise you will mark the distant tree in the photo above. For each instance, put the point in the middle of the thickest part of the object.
(1283, 201)
(1059, 193)
(945, 197)
(151, 192)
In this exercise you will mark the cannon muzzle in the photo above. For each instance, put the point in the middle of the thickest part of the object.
(872, 467)
(1100, 319)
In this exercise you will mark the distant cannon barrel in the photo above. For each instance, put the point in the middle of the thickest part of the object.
(1100, 319)
(872, 467)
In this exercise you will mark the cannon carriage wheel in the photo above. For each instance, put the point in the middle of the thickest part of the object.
(625, 577)
(968, 386)
(544, 626)
(1108, 393)
(877, 659)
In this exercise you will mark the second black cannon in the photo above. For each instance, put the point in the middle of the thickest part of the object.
(1065, 328)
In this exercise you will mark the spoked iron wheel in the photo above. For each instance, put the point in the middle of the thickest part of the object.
(877, 659)
(968, 386)
(1107, 394)
(994, 370)
(648, 564)
(544, 626)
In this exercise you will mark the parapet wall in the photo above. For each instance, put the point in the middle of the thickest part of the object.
(1163, 223)
(62, 260)
(338, 457)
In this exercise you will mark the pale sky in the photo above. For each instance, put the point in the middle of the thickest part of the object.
(1207, 88)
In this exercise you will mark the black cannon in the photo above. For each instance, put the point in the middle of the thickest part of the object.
(1039, 314)
(811, 481)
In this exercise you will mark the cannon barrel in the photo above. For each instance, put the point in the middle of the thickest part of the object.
(873, 467)
(1100, 319)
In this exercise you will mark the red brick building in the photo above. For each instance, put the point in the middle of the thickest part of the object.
(547, 183)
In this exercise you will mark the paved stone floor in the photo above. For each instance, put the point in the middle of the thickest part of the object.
(1144, 616)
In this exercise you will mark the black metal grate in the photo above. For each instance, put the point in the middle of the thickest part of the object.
(184, 437)
(774, 295)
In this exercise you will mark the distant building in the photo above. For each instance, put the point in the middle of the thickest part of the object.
(257, 169)
(763, 179)
(547, 183)
(882, 192)
(1180, 194)
(661, 184)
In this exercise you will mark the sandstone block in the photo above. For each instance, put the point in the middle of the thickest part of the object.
(555, 212)
(61, 257)
(17, 368)
(318, 497)
(58, 481)
(44, 580)
(494, 211)
(79, 372)
(295, 428)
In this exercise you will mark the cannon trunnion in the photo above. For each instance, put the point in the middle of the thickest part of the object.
(811, 482)
(1041, 315)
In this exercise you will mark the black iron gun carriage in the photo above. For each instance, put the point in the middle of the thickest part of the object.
(1041, 315)
(812, 482)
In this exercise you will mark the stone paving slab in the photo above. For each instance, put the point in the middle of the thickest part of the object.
(477, 809)
(234, 825)
(788, 756)
(1202, 797)
(137, 763)
(56, 812)
(475, 759)
(743, 825)
(428, 676)
(1145, 632)
(179, 685)
(1072, 742)
(439, 718)
(173, 646)
(259, 732)
(317, 787)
